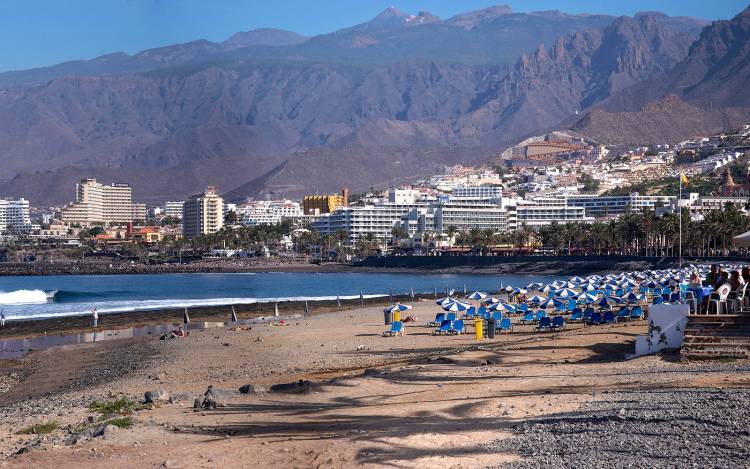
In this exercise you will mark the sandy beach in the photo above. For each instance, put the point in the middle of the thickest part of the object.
(412, 401)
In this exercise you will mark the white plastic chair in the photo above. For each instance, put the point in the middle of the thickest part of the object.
(718, 299)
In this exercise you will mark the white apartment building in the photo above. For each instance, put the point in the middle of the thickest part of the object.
(203, 214)
(14, 216)
(97, 203)
(543, 212)
(174, 209)
(358, 220)
(139, 212)
(482, 192)
(269, 212)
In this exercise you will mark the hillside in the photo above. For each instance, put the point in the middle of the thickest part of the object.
(397, 97)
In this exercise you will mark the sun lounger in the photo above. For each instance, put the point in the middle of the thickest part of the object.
(636, 313)
(609, 317)
(539, 315)
(528, 317)
(623, 314)
(544, 324)
(558, 322)
(576, 316)
(445, 327)
(451, 317)
(396, 329)
(439, 317)
(457, 327)
(596, 318)
(505, 325)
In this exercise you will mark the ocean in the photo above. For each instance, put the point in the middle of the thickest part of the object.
(37, 297)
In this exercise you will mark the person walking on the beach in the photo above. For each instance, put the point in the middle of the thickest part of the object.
(95, 317)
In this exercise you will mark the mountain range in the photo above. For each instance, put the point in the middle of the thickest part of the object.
(386, 101)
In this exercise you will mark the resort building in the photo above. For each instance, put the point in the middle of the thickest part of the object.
(543, 212)
(139, 212)
(14, 216)
(321, 204)
(203, 214)
(174, 209)
(602, 206)
(99, 204)
(484, 192)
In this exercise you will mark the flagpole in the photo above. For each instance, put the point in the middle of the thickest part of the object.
(679, 214)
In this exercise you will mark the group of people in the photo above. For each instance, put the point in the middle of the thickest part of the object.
(717, 277)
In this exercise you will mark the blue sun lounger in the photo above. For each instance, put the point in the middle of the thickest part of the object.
(623, 314)
(457, 327)
(505, 325)
(558, 322)
(438, 320)
(636, 313)
(544, 324)
(445, 327)
(396, 329)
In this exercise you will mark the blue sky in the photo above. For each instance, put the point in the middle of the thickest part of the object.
(43, 32)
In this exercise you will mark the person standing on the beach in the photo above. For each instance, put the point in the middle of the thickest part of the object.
(2, 318)
(95, 317)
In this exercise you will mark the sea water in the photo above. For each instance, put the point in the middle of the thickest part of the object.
(37, 297)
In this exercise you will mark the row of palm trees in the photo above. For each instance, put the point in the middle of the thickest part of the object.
(634, 233)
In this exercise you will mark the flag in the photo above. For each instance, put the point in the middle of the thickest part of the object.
(683, 180)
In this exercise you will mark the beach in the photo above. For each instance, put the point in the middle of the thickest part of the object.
(412, 401)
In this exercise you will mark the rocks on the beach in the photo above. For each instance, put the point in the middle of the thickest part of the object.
(153, 397)
(211, 399)
(297, 387)
(250, 389)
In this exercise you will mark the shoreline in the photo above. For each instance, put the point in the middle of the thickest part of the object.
(66, 325)
(581, 266)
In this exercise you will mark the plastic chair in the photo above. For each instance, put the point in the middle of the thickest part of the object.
(505, 326)
(718, 299)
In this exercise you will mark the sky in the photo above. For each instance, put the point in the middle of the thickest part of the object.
(36, 33)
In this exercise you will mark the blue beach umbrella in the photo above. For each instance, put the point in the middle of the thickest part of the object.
(456, 306)
(536, 299)
(503, 307)
(397, 307)
(477, 296)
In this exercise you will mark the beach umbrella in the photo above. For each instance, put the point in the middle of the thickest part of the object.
(536, 299)
(276, 306)
(588, 298)
(186, 317)
(306, 311)
(551, 303)
(397, 307)
(520, 291)
(234, 314)
(591, 287)
(477, 296)
(503, 307)
(577, 280)
(338, 303)
(445, 301)
(535, 286)
(456, 306)
(632, 297)
(557, 284)
(492, 300)
(566, 293)
(609, 301)
(508, 289)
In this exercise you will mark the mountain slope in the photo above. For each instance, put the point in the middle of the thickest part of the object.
(707, 91)
(394, 98)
